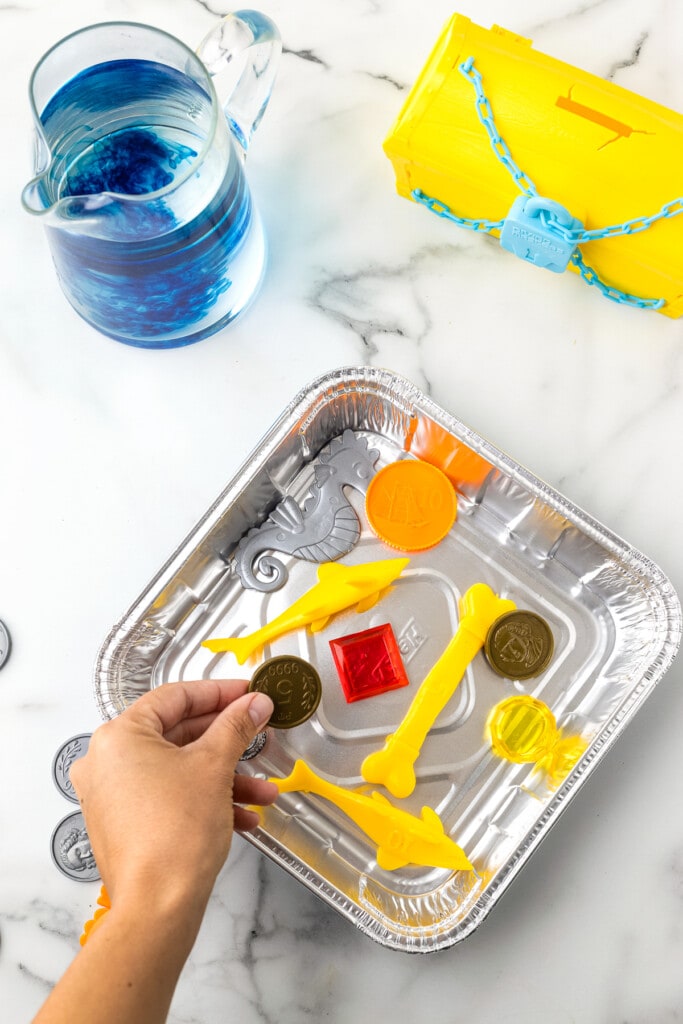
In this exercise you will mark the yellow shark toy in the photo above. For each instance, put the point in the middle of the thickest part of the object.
(339, 587)
(401, 838)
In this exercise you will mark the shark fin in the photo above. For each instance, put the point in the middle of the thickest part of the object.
(367, 602)
(330, 571)
(381, 799)
(432, 819)
(389, 860)
(319, 624)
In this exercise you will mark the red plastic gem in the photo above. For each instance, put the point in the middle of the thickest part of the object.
(368, 663)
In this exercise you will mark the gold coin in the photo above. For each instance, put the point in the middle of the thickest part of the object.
(519, 645)
(294, 687)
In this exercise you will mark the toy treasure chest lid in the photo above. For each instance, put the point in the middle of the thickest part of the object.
(610, 157)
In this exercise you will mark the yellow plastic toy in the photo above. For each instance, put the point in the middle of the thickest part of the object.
(401, 838)
(611, 159)
(393, 765)
(523, 729)
(104, 906)
(339, 587)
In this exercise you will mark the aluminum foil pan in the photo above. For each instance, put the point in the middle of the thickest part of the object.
(615, 619)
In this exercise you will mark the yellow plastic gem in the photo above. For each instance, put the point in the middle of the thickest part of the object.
(393, 765)
(339, 587)
(401, 837)
(523, 729)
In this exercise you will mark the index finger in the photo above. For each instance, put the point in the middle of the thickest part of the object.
(167, 705)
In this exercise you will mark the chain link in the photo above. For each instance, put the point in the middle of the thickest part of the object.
(615, 294)
(526, 185)
(441, 210)
(498, 144)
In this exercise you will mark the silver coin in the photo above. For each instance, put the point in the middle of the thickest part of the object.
(255, 747)
(69, 752)
(5, 643)
(71, 849)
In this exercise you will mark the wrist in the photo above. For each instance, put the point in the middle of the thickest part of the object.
(162, 910)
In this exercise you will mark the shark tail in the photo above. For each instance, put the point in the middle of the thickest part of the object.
(241, 646)
(301, 779)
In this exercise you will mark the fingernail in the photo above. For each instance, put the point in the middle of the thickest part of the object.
(260, 709)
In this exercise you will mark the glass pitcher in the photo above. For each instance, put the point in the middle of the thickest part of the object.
(139, 175)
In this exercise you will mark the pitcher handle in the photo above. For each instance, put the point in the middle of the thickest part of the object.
(251, 38)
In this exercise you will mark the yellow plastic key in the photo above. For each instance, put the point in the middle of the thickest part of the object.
(401, 838)
(393, 765)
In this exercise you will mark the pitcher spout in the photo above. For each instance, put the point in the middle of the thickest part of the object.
(77, 213)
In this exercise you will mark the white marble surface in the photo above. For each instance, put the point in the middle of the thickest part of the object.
(108, 456)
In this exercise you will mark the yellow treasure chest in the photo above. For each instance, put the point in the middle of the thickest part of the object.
(566, 168)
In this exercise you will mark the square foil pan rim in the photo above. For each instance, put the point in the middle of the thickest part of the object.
(149, 625)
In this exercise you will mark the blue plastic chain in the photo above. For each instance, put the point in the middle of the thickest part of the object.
(538, 229)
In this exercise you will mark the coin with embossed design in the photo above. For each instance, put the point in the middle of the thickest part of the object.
(255, 747)
(5, 643)
(69, 752)
(411, 505)
(294, 687)
(71, 849)
(519, 645)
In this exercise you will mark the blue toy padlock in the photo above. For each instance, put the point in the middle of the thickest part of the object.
(541, 232)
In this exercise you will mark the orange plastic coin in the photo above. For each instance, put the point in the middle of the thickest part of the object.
(411, 505)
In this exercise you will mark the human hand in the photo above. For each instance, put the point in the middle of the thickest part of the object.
(160, 795)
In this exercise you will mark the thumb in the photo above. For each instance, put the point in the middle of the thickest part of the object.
(236, 726)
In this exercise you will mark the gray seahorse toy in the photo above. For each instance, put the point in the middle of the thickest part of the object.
(322, 529)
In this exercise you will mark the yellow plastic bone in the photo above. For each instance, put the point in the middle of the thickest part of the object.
(339, 587)
(393, 765)
(603, 152)
(401, 838)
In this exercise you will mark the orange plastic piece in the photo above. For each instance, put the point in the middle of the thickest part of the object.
(104, 904)
(393, 765)
(401, 837)
(523, 729)
(339, 587)
(411, 505)
(463, 466)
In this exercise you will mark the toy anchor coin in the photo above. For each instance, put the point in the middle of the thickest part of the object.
(69, 752)
(71, 849)
(294, 687)
(411, 505)
(519, 645)
(5, 643)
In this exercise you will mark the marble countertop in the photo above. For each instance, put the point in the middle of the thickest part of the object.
(109, 455)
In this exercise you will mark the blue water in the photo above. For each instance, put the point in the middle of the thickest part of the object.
(156, 279)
